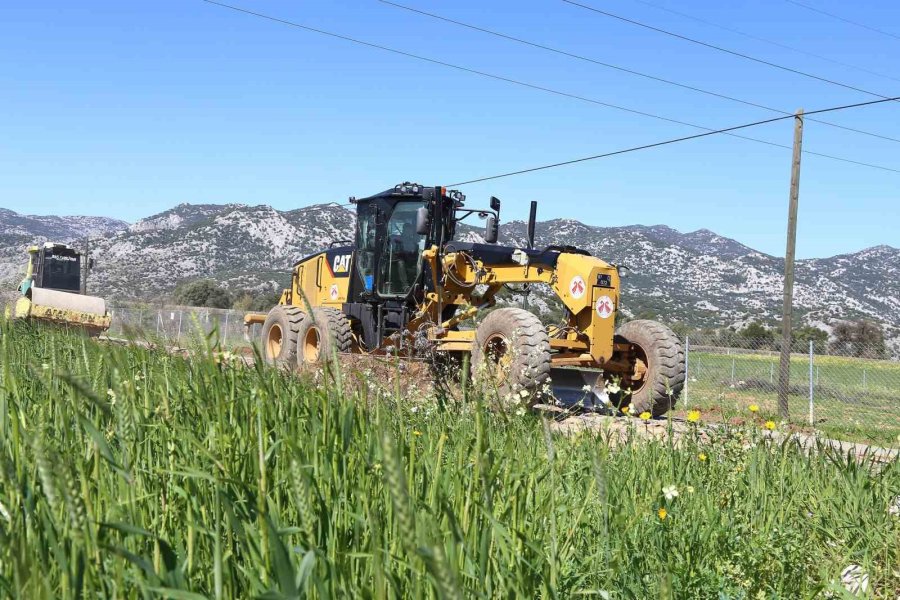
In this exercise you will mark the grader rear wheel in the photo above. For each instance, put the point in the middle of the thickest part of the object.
(511, 354)
(279, 335)
(657, 375)
(323, 332)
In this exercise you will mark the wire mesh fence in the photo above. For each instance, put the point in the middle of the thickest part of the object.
(851, 392)
(177, 324)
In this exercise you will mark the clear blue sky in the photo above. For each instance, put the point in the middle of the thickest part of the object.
(125, 109)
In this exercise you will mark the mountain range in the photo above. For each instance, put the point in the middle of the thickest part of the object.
(700, 278)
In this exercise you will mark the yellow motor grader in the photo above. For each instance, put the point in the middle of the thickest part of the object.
(52, 291)
(404, 283)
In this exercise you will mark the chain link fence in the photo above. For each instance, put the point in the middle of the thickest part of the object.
(176, 325)
(845, 391)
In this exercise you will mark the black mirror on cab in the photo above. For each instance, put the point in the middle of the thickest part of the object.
(491, 230)
(423, 221)
(495, 204)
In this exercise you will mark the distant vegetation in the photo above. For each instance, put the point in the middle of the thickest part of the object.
(861, 339)
(208, 293)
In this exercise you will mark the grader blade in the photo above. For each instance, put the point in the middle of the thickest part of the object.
(579, 388)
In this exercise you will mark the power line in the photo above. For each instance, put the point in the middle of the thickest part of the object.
(764, 40)
(477, 72)
(839, 18)
(684, 139)
(517, 82)
(623, 69)
(725, 50)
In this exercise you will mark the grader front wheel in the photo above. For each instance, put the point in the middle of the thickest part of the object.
(656, 377)
(511, 355)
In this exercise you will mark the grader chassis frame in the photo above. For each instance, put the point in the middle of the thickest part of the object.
(406, 279)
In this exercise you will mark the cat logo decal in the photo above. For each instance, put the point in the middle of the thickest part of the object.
(341, 263)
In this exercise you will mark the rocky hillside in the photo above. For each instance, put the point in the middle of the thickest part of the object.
(17, 232)
(245, 247)
(709, 280)
(698, 277)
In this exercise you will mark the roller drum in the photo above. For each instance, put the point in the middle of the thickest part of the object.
(68, 301)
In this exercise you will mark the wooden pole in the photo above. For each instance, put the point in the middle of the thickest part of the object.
(784, 372)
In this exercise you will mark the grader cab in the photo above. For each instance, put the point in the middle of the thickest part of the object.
(406, 283)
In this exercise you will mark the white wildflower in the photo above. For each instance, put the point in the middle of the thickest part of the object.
(45, 366)
(670, 492)
(586, 389)
(414, 409)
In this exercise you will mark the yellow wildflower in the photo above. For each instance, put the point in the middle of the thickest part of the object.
(693, 416)
(770, 425)
(754, 408)
(662, 513)
(626, 409)
(417, 433)
(645, 416)
(701, 457)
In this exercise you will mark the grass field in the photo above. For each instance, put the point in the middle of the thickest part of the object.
(131, 473)
(854, 399)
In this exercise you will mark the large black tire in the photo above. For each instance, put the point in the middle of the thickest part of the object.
(512, 354)
(322, 333)
(278, 340)
(659, 349)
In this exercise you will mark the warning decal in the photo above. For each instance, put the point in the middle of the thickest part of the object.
(577, 287)
(333, 292)
(604, 307)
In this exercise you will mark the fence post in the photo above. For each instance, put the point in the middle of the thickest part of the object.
(811, 383)
(178, 335)
(225, 335)
(772, 373)
(687, 352)
(865, 383)
(732, 369)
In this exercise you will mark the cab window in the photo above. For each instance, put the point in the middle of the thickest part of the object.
(365, 243)
(401, 259)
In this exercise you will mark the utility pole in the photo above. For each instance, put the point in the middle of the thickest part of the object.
(86, 265)
(784, 372)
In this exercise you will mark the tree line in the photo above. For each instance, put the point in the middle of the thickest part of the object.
(861, 338)
(209, 294)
